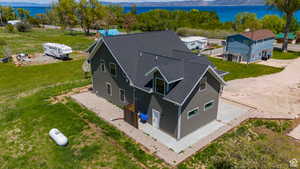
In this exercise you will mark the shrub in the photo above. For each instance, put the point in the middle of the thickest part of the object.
(219, 34)
(2, 42)
(9, 28)
(34, 21)
(23, 27)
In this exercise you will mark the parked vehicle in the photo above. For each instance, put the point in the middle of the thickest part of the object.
(14, 22)
(56, 50)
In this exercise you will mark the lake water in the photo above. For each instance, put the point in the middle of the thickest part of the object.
(225, 13)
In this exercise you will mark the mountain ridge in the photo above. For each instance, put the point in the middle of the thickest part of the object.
(169, 3)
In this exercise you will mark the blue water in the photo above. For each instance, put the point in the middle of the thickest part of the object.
(225, 13)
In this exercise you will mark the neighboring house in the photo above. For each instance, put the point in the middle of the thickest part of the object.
(109, 32)
(178, 90)
(250, 46)
(291, 36)
(195, 42)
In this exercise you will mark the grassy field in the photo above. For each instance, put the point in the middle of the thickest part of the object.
(27, 115)
(31, 42)
(239, 71)
(285, 56)
(255, 144)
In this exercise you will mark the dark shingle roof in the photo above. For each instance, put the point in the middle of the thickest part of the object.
(259, 34)
(140, 54)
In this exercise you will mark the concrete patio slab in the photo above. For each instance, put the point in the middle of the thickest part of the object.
(295, 133)
(155, 141)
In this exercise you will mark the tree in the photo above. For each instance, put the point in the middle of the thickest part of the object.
(288, 7)
(88, 12)
(129, 22)
(6, 14)
(23, 14)
(133, 9)
(66, 12)
(273, 22)
(246, 20)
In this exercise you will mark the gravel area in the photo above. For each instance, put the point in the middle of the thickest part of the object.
(276, 93)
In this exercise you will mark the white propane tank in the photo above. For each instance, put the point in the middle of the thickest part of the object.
(58, 137)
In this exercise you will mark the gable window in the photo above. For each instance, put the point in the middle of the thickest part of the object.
(108, 88)
(102, 66)
(160, 86)
(203, 83)
(113, 69)
(209, 105)
(122, 95)
(193, 113)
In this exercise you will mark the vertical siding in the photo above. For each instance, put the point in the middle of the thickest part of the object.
(258, 47)
(169, 111)
(101, 78)
(198, 99)
(236, 45)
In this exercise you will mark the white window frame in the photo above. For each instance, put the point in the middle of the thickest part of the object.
(201, 90)
(164, 86)
(213, 104)
(124, 101)
(189, 117)
(102, 63)
(107, 83)
(110, 69)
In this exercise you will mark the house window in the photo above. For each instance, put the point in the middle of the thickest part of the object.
(109, 90)
(209, 105)
(113, 69)
(203, 83)
(160, 86)
(102, 66)
(122, 95)
(192, 113)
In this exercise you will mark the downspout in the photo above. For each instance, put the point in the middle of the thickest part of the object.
(179, 124)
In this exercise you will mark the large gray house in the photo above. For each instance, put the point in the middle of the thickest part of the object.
(178, 90)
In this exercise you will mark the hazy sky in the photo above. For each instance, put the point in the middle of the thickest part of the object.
(49, 1)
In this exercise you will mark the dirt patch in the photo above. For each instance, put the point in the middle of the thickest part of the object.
(40, 58)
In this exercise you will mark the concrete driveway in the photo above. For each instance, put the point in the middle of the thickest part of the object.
(276, 93)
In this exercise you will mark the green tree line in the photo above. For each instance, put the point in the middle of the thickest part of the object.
(91, 14)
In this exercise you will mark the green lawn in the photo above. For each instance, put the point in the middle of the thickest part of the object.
(31, 42)
(16, 80)
(255, 144)
(239, 71)
(285, 56)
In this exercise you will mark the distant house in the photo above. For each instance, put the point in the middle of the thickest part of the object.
(175, 89)
(250, 46)
(291, 37)
(109, 32)
(195, 42)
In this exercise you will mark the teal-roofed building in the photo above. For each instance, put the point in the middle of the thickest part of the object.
(291, 36)
(109, 32)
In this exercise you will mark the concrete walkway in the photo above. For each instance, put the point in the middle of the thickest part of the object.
(271, 94)
(165, 147)
(295, 133)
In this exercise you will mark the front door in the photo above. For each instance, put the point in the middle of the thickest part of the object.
(155, 118)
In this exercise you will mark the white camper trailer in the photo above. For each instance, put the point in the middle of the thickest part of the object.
(14, 22)
(57, 50)
(195, 42)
